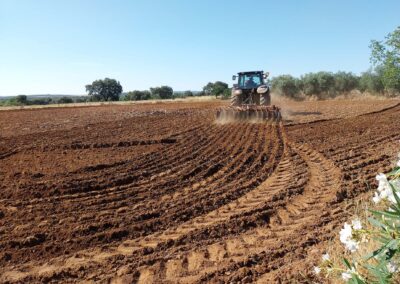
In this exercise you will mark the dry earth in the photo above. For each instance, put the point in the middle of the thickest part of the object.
(160, 193)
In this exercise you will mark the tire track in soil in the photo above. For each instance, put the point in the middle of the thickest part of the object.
(123, 194)
(300, 211)
(250, 254)
(181, 230)
(145, 164)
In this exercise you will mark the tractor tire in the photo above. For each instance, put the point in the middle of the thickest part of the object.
(236, 100)
(265, 99)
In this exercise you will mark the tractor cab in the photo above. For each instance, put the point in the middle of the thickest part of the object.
(250, 80)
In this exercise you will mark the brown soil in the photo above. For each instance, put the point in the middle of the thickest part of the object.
(160, 193)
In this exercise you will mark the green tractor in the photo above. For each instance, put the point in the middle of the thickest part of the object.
(250, 100)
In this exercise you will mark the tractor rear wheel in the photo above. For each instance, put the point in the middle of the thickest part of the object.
(265, 99)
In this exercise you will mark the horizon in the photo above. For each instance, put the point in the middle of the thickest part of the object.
(59, 47)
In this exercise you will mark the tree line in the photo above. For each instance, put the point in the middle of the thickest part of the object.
(382, 79)
(24, 100)
(111, 90)
(325, 85)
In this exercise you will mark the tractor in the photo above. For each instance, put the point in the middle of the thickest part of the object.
(250, 99)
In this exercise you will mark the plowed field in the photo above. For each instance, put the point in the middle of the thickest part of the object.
(160, 193)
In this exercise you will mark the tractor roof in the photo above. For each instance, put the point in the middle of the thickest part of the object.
(250, 72)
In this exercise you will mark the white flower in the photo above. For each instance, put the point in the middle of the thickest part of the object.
(346, 276)
(381, 177)
(356, 224)
(345, 233)
(384, 189)
(376, 199)
(351, 245)
(383, 183)
(326, 257)
(398, 163)
(392, 267)
(317, 270)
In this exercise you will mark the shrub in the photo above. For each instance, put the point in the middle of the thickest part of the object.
(137, 96)
(21, 100)
(41, 101)
(65, 100)
(310, 84)
(345, 82)
(371, 82)
(380, 239)
(286, 86)
(163, 92)
(188, 94)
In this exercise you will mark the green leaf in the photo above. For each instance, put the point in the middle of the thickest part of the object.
(390, 215)
(395, 196)
(347, 263)
(394, 172)
(377, 252)
(376, 223)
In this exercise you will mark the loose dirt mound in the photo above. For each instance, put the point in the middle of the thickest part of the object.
(162, 194)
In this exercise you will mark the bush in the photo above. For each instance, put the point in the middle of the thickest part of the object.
(21, 100)
(163, 92)
(286, 86)
(81, 100)
(371, 82)
(322, 85)
(41, 101)
(188, 94)
(310, 84)
(374, 246)
(137, 96)
(345, 82)
(65, 100)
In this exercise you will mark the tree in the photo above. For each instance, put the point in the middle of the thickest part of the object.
(65, 100)
(345, 82)
(386, 56)
(320, 84)
(286, 85)
(188, 94)
(137, 96)
(216, 89)
(326, 82)
(21, 99)
(104, 90)
(371, 82)
(207, 89)
(310, 85)
(163, 92)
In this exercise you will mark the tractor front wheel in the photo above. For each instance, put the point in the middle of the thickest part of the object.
(265, 99)
(235, 100)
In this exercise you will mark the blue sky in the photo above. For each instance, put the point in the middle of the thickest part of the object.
(59, 46)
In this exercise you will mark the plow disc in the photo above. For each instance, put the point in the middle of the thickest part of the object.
(250, 113)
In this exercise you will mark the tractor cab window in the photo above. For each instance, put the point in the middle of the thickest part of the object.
(248, 81)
